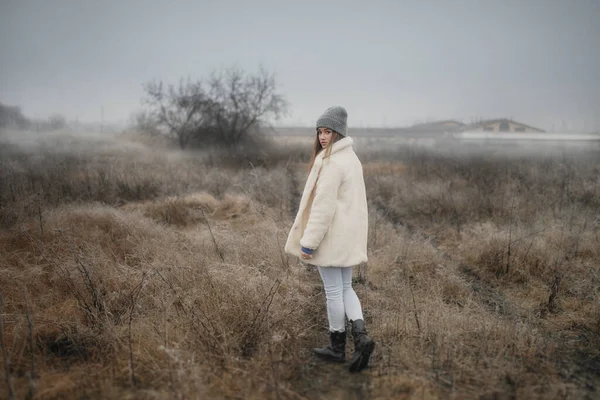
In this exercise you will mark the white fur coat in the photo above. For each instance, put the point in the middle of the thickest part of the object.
(333, 219)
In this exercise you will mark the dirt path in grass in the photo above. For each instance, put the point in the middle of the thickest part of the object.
(576, 355)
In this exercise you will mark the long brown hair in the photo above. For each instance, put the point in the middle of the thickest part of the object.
(317, 148)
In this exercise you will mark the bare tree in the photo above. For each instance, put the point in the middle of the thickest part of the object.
(12, 117)
(232, 108)
(181, 110)
(243, 103)
(56, 122)
(145, 122)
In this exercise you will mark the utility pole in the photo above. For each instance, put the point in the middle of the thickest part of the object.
(102, 119)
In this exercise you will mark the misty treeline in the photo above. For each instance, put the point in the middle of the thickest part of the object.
(227, 109)
(11, 117)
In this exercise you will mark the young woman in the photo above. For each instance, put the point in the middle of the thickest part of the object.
(330, 232)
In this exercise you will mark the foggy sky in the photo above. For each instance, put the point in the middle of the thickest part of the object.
(388, 62)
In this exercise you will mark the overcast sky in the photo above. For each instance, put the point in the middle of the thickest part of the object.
(388, 62)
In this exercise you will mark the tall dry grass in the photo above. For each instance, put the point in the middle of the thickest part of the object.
(132, 272)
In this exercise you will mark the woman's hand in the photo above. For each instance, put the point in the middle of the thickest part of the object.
(306, 254)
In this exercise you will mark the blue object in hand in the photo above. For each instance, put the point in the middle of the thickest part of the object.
(307, 251)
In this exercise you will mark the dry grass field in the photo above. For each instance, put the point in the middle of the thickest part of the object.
(137, 271)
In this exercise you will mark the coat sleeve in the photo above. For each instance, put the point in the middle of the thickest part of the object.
(323, 206)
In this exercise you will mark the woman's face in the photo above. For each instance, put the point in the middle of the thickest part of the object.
(325, 135)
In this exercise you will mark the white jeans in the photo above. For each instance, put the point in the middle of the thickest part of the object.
(341, 298)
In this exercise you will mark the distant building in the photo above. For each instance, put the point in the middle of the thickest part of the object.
(500, 125)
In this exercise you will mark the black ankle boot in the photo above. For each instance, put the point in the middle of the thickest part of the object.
(363, 347)
(336, 351)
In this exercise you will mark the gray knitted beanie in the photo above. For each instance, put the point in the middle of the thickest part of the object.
(335, 119)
